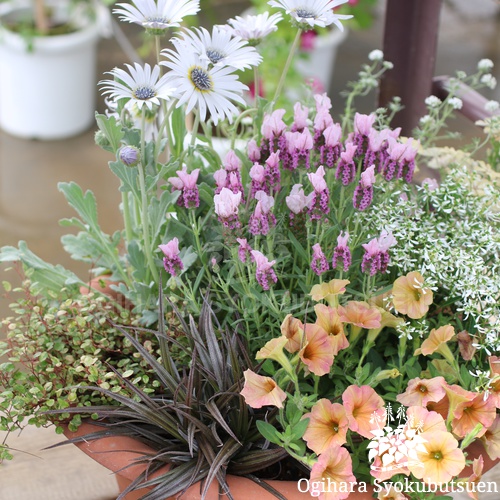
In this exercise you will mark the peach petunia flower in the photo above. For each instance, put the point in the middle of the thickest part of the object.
(364, 409)
(422, 391)
(423, 420)
(494, 387)
(437, 342)
(334, 470)
(329, 291)
(328, 319)
(475, 477)
(273, 349)
(465, 341)
(317, 353)
(470, 413)
(260, 391)
(360, 314)
(293, 329)
(327, 426)
(410, 297)
(491, 439)
(442, 459)
(390, 493)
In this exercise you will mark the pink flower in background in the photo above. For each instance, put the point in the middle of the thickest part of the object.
(265, 272)
(171, 261)
(308, 40)
(319, 264)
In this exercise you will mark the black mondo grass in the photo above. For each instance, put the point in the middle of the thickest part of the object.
(197, 422)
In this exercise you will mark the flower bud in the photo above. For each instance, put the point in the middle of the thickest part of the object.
(129, 156)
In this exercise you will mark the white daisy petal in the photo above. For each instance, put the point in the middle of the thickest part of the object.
(200, 84)
(141, 86)
(253, 28)
(310, 13)
(157, 16)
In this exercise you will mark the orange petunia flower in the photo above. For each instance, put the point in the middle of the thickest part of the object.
(329, 291)
(421, 391)
(317, 353)
(260, 391)
(333, 470)
(470, 413)
(442, 459)
(360, 314)
(491, 439)
(410, 297)
(329, 319)
(437, 342)
(364, 409)
(293, 329)
(327, 426)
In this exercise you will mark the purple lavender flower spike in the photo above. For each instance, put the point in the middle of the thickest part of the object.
(331, 148)
(299, 117)
(342, 254)
(346, 169)
(319, 264)
(226, 205)
(265, 272)
(319, 206)
(258, 179)
(363, 194)
(186, 183)
(171, 261)
(262, 219)
(244, 250)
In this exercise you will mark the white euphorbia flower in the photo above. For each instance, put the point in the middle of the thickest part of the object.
(253, 28)
(198, 85)
(143, 86)
(221, 48)
(310, 13)
(157, 16)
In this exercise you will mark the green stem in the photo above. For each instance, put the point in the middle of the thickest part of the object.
(144, 203)
(194, 131)
(129, 235)
(293, 49)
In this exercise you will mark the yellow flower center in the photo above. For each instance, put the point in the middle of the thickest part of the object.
(422, 388)
(438, 455)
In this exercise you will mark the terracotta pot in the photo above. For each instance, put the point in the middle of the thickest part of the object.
(117, 452)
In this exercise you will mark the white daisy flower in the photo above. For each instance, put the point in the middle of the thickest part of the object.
(142, 86)
(157, 16)
(221, 48)
(253, 28)
(310, 13)
(207, 88)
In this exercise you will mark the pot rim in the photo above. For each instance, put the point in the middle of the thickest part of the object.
(87, 31)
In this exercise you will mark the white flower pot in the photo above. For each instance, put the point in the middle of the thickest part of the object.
(321, 61)
(49, 92)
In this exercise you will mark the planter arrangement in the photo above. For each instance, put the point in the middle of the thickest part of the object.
(64, 62)
(295, 318)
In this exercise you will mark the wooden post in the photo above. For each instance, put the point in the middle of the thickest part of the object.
(410, 43)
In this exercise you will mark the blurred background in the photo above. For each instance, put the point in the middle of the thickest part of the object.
(31, 205)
